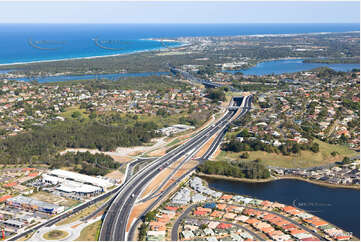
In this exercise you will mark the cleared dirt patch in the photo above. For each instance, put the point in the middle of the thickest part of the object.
(115, 175)
(159, 152)
(51, 198)
(120, 159)
(138, 210)
(205, 147)
(216, 153)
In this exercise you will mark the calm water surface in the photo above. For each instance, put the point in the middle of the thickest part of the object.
(336, 205)
(39, 42)
(289, 66)
(113, 76)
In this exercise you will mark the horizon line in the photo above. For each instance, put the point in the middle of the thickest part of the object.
(181, 23)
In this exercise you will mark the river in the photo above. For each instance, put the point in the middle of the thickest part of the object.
(339, 206)
(263, 68)
(113, 76)
(291, 65)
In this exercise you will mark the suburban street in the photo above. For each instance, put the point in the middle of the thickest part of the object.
(188, 210)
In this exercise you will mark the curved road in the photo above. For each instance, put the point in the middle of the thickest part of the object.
(187, 211)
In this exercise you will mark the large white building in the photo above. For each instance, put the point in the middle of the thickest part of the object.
(73, 176)
(74, 187)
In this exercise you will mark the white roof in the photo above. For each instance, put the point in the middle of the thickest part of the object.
(77, 187)
(71, 186)
(13, 222)
(155, 233)
(81, 178)
(52, 179)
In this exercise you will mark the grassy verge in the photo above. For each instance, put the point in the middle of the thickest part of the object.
(90, 232)
(302, 160)
(175, 141)
(83, 213)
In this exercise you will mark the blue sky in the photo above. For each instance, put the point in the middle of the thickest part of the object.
(180, 12)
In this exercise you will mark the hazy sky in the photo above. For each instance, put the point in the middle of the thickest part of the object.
(179, 12)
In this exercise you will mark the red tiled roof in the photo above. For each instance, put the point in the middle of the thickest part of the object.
(28, 169)
(199, 213)
(288, 208)
(11, 184)
(224, 226)
(4, 198)
(311, 239)
(171, 208)
(226, 197)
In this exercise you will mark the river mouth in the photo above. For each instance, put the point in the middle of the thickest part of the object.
(339, 206)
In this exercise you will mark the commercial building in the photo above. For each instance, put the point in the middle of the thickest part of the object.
(33, 204)
(175, 129)
(73, 176)
(72, 187)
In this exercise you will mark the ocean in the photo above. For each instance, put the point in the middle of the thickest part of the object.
(22, 43)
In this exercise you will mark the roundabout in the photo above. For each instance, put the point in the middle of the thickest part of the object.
(66, 232)
(55, 235)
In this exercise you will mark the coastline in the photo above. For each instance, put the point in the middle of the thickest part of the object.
(228, 178)
(182, 44)
(320, 183)
(95, 57)
(247, 180)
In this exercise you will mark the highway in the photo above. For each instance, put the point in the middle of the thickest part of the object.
(164, 193)
(116, 219)
(206, 83)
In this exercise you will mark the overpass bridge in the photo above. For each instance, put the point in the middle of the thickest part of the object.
(240, 103)
(194, 79)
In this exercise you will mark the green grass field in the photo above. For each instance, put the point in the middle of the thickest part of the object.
(70, 110)
(302, 160)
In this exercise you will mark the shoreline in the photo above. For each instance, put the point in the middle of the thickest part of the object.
(284, 59)
(220, 177)
(95, 57)
(320, 183)
(247, 180)
(182, 44)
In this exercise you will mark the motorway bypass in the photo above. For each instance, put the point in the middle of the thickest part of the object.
(164, 193)
(116, 219)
